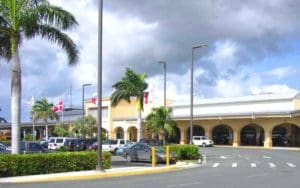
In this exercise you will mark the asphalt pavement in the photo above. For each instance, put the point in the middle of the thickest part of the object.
(224, 167)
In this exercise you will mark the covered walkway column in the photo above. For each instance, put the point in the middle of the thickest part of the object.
(268, 138)
(125, 135)
(236, 137)
(208, 132)
(183, 135)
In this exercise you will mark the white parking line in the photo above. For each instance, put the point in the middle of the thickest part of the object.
(291, 165)
(253, 165)
(272, 165)
(234, 165)
(267, 157)
(215, 165)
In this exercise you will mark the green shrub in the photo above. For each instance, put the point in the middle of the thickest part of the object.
(29, 164)
(185, 152)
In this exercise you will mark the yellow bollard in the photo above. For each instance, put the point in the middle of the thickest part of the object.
(153, 157)
(168, 155)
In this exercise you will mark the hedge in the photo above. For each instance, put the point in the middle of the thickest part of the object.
(44, 163)
(185, 152)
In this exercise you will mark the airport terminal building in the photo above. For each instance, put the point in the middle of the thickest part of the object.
(259, 120)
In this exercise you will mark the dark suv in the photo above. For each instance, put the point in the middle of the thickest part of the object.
(31, 147)
(76, 144)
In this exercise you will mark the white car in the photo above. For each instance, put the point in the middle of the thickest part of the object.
(202, 141)
(57, 142)
(113, 144)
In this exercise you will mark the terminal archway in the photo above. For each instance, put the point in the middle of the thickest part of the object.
(132, 134)
(252, 135)
(222, 135)
(286, 135)
(119, 133)
(197, 131)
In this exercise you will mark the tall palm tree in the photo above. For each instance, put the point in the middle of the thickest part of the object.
(159, 121)
(26, 19)
(131, 85)
(42, 109)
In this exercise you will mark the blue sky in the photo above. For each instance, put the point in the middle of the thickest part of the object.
(253, 48)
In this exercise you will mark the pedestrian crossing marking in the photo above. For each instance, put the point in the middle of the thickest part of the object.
(272, 165)
(291, 165)
(254, 165)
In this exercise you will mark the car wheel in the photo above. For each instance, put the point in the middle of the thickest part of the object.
(115, 151)
(128, 158)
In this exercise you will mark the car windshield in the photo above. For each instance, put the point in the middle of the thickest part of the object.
(159, 149)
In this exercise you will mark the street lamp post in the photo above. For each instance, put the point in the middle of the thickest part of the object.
(192, 90)
(165, 67)
(99, 166)
(83, 110)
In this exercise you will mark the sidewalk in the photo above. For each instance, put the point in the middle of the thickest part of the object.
(93, 174)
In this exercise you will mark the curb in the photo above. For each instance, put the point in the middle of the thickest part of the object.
(85, 175)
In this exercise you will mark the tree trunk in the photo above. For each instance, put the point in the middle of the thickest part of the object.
(47, 137)
(15, 102)
(139, 127)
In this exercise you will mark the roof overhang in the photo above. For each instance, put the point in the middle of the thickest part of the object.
(240, 116)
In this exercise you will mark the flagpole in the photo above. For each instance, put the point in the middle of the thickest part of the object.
(62, 112)
(33, 131)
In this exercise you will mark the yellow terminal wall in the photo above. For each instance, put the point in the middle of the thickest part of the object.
(297, 104)
(124, 110)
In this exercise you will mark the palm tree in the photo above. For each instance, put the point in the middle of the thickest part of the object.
(26, 19)
(42, 109)
(86, 128)
(131, 85)
(159, 121)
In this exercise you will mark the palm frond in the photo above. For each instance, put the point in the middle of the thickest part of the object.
(56, 16)
(42, 109)
(5, 45)
(131, 85)
(56, 36)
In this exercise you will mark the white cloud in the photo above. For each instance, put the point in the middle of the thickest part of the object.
(275, 88)
(281, 72)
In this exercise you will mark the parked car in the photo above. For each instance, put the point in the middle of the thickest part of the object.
(4, 148)
(57, 142)
(31, 147)
(76, 144)
(202, 141)
(121, 149)
(44, 144)
(142, 152)
(111, 145)
(89, 142)
(152, 142)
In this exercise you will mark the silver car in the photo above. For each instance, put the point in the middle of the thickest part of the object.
(142, 152)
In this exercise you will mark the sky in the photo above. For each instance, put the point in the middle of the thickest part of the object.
(253, 48)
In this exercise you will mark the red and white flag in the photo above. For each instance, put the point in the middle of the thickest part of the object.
(59, 106)
(94, 100)
(146, 94)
